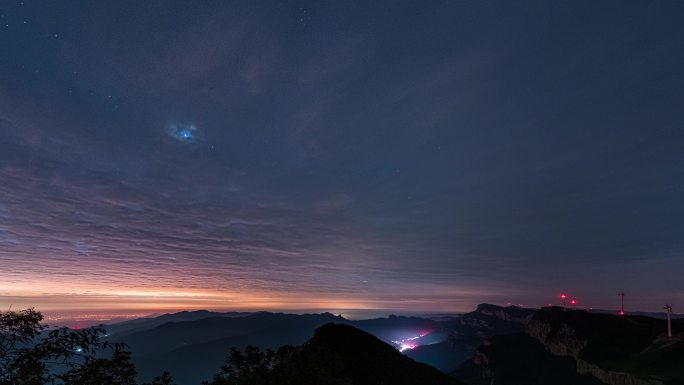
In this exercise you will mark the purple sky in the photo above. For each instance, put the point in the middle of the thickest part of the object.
(408, 156)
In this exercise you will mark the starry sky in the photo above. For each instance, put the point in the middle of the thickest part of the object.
(388, 155)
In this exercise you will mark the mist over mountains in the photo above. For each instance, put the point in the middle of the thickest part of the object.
(196, 343)
(491, 343)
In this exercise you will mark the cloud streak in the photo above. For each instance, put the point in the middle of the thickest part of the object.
(236, 157)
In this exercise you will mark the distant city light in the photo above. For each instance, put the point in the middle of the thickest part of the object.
(407, 344)
(405, 347)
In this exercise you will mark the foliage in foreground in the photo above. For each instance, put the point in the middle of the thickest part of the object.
(335, 355)
(33, 354)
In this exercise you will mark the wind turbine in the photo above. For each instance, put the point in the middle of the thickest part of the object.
(668, 308)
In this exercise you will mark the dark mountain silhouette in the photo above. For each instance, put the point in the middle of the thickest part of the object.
(194, 344)
(518, 359)
(508, 345)
(147, 323)
(578, 347)
(174, 335)
(201, 355)
(491, 320)
(341, 354)
(468, 332)
(337, 354)
(661, 315)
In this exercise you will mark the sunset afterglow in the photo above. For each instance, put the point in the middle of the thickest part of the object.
(400, 158)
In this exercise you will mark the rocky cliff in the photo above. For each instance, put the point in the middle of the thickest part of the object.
(491, 320)
(469, 331)
(627, 350)
(576, 347)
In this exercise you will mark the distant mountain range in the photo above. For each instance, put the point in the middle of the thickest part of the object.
(194, 344)
(158, 320)
(505, 345)
(661, 315)
(467, 332)
(340, 354)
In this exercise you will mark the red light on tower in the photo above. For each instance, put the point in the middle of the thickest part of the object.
(622, 302)
(573, 302)
(563, 296)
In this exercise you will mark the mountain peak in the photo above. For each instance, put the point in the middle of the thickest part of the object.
(340, 353)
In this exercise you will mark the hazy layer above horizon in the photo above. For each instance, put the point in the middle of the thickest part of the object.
(410, 156)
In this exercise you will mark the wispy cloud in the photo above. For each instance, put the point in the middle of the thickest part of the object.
(169, 155)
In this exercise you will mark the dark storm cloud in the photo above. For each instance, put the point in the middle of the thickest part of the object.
(463, 151)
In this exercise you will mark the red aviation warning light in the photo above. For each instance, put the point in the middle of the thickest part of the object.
(573, 302)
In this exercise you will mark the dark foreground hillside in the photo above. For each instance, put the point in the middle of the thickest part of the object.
(577, 348)
(613, 348)
(343, 355)
(337, 354)
(192, 345)
(518, 359)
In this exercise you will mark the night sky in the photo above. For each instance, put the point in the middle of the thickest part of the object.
(390, 155)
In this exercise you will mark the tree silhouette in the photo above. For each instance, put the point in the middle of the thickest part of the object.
(27, 347)
(164, 379)
(117, 370)
(249, 368)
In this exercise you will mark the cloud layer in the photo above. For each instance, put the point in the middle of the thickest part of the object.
(292, 156)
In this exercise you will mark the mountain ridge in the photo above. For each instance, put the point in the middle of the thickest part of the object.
(583, 348)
